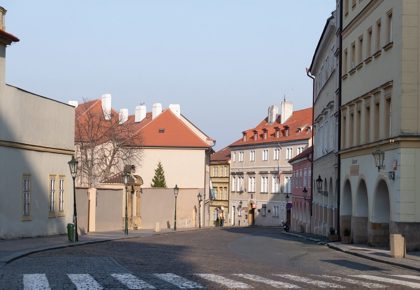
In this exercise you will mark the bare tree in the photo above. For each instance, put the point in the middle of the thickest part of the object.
(104, 145)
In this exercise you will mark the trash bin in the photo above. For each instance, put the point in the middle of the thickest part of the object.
(70, 232)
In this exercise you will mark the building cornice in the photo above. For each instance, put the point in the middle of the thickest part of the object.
(355, 22)
(37, 148)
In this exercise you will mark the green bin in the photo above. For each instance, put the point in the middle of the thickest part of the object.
(70, 232)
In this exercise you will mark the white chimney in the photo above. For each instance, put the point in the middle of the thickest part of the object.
(176, 109)
(140, 113)
(273, 112)
(156, 110)
(123, 116)
(106, 106)
(2, 16)
(286, 110)
(74, 103)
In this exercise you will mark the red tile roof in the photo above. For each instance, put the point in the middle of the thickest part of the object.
(166, 130)
(221, 155)
(304, 154)
(297, 127)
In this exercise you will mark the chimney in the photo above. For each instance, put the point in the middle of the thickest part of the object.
(286, 110)
(273, 111)
(2, 17)
(123, 116)
(5, 40)
(106, 106)
(140, 113)
(156, 110)
(74, 103)
(176, 109)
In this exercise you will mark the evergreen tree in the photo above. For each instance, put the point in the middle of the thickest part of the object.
(159, 178)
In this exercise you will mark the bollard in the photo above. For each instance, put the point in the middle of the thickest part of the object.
(157, 227)
(398, 249)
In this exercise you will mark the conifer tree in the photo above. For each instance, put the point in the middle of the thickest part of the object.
(159, 178)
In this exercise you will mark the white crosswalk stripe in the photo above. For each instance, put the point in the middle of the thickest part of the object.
(412, 277)
(389, 280)
(132, 282)
(178, 281)
(84, 282)
(353, 281)
(273, 283)
(317, 283)
(229, 283)
(35, 282)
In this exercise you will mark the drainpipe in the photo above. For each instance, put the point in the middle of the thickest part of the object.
(308, 73)
(340, 41)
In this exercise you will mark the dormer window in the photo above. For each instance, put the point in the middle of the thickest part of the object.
(255, 135)
(244, 136)
(277, 133)
(161, 130)
(286, 131)
(265, 134)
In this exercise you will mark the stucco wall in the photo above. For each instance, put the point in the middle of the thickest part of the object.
(110, 209)
(158, 204)
(184, 167)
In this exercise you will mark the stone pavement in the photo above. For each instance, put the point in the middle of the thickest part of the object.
(411, 261)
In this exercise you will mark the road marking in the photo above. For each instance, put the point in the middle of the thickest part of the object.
(35, 282)
(84, 282)
(317, 283)
(178, 281)
(273, 283)
(132, 282)
(408, 277)
(224, 281)
(352, 281)
(389, 280)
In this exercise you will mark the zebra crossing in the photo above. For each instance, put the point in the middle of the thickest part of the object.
(38, 281)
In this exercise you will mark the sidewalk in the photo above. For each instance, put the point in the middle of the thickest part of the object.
(411, 261)
(16, 248)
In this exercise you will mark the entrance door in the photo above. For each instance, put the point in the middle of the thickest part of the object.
(233, 214)
(251, 218)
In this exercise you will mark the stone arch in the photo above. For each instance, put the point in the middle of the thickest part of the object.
(380, 218)
(346, 208)
(359, 222)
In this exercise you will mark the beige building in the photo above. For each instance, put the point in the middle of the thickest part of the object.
(379, 113)
(36, 142)
(219, 177)
(325, 73)
(165, 136)
(259, 168)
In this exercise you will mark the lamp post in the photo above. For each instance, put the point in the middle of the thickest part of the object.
(73, 170)
(200, 198)
(126, 176)
(176, 191)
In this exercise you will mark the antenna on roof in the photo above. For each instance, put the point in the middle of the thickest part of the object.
(284, 98)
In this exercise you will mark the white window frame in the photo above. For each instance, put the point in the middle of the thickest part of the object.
(275, 184)
(61, 183)
(265, 155)
(264, 184)
(276, 155)
(252, 155)
(51, 194)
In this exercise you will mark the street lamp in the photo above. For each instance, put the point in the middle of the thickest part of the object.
(319, 184)
(126, 176)
(73, 170)
(176, 191)
(200, 199)
(379, 157)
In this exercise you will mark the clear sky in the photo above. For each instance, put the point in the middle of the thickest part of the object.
(224, 61)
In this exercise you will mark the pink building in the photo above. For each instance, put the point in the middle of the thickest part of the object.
(300, 215)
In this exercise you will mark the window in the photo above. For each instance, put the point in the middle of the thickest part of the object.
(289, 152)
(346, 7)
(225, 173)
(61, 194)
(233, 156)
(216, 171)
(388, 118)
(360, 52)
(276, 211)
(276, 154)
(264, 184)
(353, 56)
(241, 156)
(233, 185)
(252, 155)
(251, 184)
(26, 195)
(376, 131)
(275, 184)
(300, 150)
(389, 27)
(367, 125)
(351, 129)
(287, 184)
(369, 42)
(240, 183)
(345, 59)
(52, 194)
(265, 155)
(378, 35)
(264, 210)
